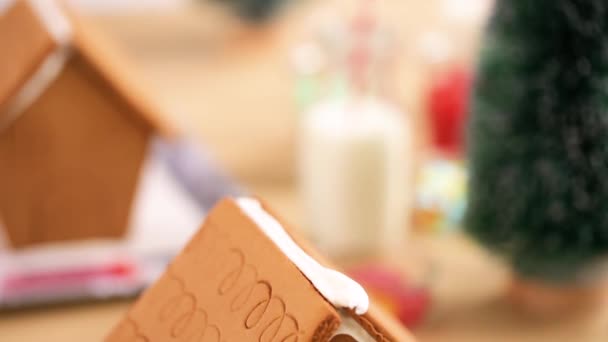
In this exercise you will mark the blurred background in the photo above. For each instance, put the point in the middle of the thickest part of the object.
(267, 89)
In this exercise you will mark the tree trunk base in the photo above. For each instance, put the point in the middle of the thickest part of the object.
(550, 300)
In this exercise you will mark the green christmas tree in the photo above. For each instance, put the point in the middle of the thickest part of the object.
(538, 138)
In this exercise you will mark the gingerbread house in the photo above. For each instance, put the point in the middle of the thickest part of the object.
(245, 276)
(74, 129)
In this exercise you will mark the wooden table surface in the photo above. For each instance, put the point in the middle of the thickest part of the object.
(239, 102)
(467, 308)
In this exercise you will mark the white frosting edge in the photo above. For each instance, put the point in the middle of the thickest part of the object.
(335, 287)
(58, 26)
(352, 328)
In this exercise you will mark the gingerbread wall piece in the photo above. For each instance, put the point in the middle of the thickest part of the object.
(74, 128)
(233, 283)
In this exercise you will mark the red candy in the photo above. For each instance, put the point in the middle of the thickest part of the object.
(408, 302)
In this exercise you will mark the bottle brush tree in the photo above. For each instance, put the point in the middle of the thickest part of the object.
(538, 138)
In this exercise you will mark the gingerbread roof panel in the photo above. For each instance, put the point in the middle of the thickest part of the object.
(24, 44)
(39, 37)
(105, 58)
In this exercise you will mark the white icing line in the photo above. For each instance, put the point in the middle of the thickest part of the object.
(54, 20)
(337, 288)
(353, 329)
(60, 30)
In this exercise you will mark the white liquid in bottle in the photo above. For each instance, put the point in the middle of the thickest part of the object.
(355, 163)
